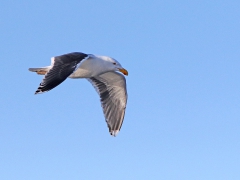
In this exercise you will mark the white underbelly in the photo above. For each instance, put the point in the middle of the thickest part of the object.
(89, 68)
(81, 73)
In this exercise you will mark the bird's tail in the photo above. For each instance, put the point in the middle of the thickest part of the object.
(41, 70)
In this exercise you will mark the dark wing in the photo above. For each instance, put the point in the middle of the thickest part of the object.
(111, 87)
(62, 67)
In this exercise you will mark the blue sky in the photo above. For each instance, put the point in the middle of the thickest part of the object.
(183, 111)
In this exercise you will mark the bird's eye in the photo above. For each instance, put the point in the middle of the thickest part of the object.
(114, 63)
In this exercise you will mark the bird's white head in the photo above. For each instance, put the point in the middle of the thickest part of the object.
(115, 65)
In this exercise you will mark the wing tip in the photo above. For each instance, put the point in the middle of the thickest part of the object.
(114, 133)
(39, 91)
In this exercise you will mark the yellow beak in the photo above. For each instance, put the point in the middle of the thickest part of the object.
(124, 71)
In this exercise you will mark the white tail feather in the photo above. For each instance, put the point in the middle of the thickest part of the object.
(41, 70)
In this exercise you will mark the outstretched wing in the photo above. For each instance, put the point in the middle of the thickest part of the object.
(62, 67)
(111, 87)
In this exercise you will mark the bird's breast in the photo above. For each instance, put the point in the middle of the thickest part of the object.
(89, 68)
(81, 73)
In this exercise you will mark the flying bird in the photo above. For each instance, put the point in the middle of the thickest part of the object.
(101, 71)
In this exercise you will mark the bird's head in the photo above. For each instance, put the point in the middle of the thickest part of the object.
(117, 66)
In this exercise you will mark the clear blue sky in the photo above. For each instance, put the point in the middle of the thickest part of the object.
(183, 114)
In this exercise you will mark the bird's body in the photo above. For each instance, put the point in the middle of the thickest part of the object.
(94, 66)
(100, 71)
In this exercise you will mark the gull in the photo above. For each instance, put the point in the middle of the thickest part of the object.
(103, 72)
